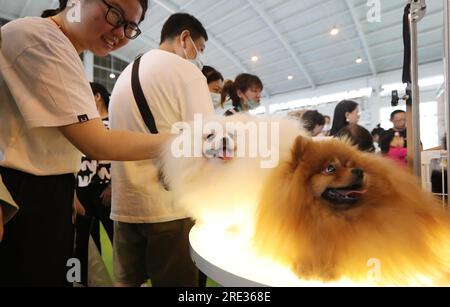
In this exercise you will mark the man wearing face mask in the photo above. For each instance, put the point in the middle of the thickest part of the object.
(150, 233)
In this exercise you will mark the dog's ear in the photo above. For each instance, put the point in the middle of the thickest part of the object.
(299, 148)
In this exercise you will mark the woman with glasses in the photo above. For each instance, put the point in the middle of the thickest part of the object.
(48, 116)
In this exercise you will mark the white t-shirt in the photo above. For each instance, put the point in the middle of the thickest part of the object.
(175, 90)
(42, 86)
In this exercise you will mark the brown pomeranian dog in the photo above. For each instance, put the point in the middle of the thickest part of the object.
(333, 213)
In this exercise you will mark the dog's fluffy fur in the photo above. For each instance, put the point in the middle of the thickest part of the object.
(326, 233)
(224, 191)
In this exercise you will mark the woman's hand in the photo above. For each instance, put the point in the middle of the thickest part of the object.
(106, 196)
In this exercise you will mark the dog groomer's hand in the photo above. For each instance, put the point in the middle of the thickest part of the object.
(1, 223)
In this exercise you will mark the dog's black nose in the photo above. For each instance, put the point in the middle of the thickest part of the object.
(358, 173)
(225, 142)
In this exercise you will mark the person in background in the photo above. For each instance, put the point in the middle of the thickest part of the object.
(244, 92)
(215, 85)
(376, 135)
(151, 233)
(358, 136)
(93, 194)
(345, 113)
(48, 109)
(392, 145)
(313, 122)
(327, 127)
(398, 119)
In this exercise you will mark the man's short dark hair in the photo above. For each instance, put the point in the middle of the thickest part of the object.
(179, 22)
(395, 113)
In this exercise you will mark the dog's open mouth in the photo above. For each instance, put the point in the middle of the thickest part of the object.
(225, 154)
(344, 196)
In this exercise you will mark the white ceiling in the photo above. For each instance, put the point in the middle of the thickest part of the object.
(291, 37)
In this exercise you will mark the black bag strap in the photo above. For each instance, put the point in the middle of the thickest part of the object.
(139, 96)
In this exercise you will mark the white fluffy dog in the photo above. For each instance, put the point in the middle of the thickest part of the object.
(216, 168)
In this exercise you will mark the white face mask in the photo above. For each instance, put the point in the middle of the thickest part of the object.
(327, 127)
(198, 61)
(228, 104)
(216, 99)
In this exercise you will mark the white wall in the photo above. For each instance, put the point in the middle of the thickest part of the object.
(371, 107)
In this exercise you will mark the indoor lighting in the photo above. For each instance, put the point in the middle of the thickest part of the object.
(359, 60)
(334, 31)
(318, 100)
(290, 77)
(112, 75)
(255, 58)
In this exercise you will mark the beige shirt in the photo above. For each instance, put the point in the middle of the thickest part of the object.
(175, 90)
(42, 86)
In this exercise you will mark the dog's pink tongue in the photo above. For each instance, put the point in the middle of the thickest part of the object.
(354, 193)
(224, 156)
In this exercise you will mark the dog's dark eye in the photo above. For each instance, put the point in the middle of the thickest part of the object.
(330, 169)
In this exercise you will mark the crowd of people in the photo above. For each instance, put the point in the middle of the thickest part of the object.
(390, 143)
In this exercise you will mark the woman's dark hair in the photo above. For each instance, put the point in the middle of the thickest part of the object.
(97, 88)
(211, 74)
(359, 136)
(179, 22)
(53, 12)
(63, 5)
(339, 119)
(378, 131)
(385, 140)
(242, 83)
(311, 119)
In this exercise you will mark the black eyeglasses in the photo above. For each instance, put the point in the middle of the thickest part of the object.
(114, 17)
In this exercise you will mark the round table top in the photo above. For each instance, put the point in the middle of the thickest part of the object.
(227, 258)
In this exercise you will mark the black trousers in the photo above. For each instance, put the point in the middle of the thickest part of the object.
(89, 225)
(38, 241)
(89, 197)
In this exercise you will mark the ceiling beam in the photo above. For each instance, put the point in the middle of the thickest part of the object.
(325, 60)
(25, 8)
(227, 16)
(187, 4)
(361, 37)
(214, 7)
(283, 40)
